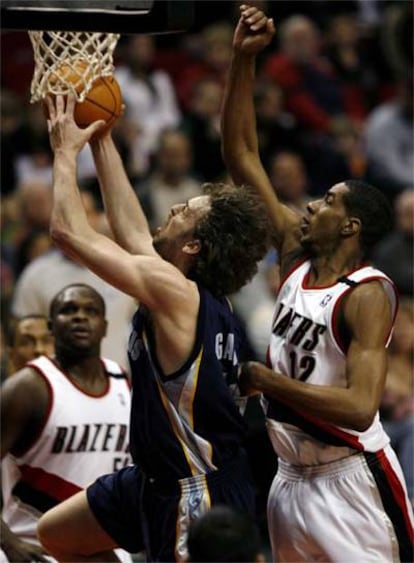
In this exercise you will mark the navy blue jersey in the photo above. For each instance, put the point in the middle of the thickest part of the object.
(187, 423)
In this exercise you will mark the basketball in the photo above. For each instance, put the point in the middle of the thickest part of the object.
(102, 101)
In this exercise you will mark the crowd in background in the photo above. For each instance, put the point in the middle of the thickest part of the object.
(334, 100)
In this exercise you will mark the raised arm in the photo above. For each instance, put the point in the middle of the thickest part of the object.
(239, 137)
(150, 279)
(367, 313)
(124, 212)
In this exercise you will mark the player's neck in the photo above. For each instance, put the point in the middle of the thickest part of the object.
(85, 372)
(325, 270)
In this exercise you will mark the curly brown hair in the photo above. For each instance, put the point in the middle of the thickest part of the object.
(234, 236)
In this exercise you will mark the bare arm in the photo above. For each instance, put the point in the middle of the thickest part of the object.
(24, 403)
(150, 279)
(368, 316)
(172, 299)
(126, 218)
(240, 144)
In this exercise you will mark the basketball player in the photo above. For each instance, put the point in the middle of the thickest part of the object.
(28, 338)
(339, 493)
(187, 434)
(64, 421)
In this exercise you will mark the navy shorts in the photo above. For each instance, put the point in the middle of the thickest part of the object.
(115, 500)
(142, 514)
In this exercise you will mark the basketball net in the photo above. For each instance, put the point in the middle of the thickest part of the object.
(62, 55)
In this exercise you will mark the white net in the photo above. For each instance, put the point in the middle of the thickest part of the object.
(69, 61)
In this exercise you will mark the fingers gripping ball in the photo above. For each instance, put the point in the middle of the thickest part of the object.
(102, 102)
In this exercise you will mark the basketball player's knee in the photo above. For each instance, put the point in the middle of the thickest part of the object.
(47, 534)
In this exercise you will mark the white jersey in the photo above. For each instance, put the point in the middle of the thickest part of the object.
(83, 436)
(308, 342)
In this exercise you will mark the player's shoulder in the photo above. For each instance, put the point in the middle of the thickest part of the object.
(26, 382)
(366, 298)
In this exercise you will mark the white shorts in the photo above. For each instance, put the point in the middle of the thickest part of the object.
(351, 511)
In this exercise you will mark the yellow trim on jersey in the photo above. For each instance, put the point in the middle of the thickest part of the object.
(186, 401)
(186, 407)
(197, 464)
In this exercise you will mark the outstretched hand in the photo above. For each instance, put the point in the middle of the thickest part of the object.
(254, 31)
(63, 130)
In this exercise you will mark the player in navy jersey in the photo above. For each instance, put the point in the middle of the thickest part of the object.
(339, 493)
(187, 434)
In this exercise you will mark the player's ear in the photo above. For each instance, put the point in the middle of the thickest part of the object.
(192, 247)
(351, 226)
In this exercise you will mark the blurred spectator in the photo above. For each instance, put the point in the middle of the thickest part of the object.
(202, 124)
(35, 243)
(34, 164)
(149, 96)
(396, 35)
(288, 176)
(223, 534)
(34, 198)
(211, 61)
(11, 139)
(394, 255)
(314, 94)
(311, 89)
(397, 406)
(48, 274)
(25, 223)
(329, 158)
(389, 139)
(348, 145)
(171, 181)
(276, 128)
(6, 285)
(3, 355)
(28, 338)
(16, 70)
(343, 51)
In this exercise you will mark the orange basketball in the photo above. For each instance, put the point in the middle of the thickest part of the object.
(103, 100)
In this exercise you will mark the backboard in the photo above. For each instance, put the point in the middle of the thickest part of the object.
(116, 16)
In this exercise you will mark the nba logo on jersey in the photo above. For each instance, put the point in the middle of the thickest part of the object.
(325, 300)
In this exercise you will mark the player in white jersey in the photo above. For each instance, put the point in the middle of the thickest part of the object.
(65, 421)
(339, 493)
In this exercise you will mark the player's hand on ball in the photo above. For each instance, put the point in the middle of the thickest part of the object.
(64, 134)
(253, 32)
